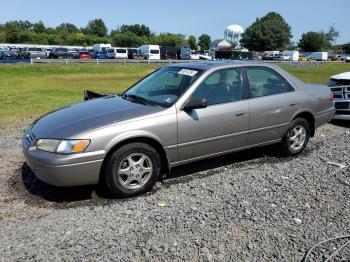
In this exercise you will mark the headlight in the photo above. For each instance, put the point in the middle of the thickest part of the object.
(65, 147)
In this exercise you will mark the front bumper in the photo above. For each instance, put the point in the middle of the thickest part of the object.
(342, 110)
(64, 170)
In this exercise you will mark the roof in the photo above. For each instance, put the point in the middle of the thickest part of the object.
(213, 64)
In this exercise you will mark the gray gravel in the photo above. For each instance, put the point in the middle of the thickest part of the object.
(249, 206)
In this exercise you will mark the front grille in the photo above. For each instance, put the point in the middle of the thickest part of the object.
(337, 89)
(338, 96)
(342, 105)
(341, 92)
(340, 112)
(29, 137)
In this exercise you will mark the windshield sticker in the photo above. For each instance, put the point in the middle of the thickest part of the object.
(169, 100)
(188, 72)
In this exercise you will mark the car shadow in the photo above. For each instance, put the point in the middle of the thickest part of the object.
(196, 170)
(341, 123)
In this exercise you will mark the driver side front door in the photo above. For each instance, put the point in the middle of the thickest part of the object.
(220, 127)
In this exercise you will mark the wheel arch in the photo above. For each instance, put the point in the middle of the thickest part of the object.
(309, 117)
(156, 144)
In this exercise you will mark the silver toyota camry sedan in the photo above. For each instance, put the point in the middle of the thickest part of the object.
(178, 114)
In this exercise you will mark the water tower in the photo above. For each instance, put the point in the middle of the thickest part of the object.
(233, 34)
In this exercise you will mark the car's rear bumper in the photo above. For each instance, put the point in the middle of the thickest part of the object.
(65, 170)
(325, 117)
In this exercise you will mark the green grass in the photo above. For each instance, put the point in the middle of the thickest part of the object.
(317, 75)
(27, 91)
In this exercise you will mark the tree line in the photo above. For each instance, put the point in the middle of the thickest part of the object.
(94, 32)
(270, 32)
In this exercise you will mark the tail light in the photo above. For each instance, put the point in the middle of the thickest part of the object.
(331, 97)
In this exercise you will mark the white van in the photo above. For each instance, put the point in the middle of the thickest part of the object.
(117, 53)
(151, 52)
(292, 55)
(101, 47)
(319, 56)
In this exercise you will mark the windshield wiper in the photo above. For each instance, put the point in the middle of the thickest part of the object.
(136, 98)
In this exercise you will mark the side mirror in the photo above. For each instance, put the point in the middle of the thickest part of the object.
(195, 103)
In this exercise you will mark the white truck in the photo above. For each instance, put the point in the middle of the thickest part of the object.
(101, 47)
(150, 52)
(319, 56)
(340, 87)
(292, 55)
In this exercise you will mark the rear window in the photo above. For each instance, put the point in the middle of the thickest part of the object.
(35, 49)
(62, 49)
(153, 51)
(85, 53)
(110, 50)
(122, 51)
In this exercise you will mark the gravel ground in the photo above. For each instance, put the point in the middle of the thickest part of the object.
(248, 206)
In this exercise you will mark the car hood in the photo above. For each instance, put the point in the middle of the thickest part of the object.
(342, 76)
(74, 119)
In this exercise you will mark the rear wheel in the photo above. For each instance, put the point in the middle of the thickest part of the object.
(297, 137)
(132, 170)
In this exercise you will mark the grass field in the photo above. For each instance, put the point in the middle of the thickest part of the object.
(27, 91)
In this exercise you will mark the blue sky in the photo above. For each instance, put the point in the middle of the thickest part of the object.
(185, 16)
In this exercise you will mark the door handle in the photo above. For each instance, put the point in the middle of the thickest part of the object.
(293, 104)
(240, 114)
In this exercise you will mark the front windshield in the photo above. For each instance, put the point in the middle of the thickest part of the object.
(165, 86)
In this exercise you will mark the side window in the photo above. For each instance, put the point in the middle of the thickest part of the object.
(265, 82)
(220, 87)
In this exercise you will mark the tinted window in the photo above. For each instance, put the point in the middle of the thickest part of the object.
(154, 51)
(110, 50)
(35, 49)
(221, 87)
(265, 81)
(62, 49)
(122, 51)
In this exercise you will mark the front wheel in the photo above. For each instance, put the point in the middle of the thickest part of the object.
(131, 170)
(297, 137)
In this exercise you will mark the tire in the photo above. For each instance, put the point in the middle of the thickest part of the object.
(296, 138)
(131, 170)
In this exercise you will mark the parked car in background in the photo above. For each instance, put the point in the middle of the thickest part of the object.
(60, 52)
(134, 53)
(34, 53)
(7, 55)
(169, 52)
(48, 50)
(184, 53)
(151, 52)
(117, 53)
(84, 55)
(340, 87)
(102, 55)
(271, 55)
(179, 114)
